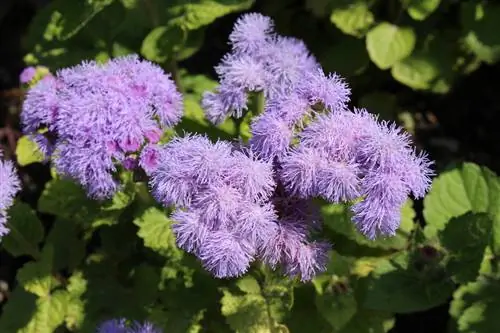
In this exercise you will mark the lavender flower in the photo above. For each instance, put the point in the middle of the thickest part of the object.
(329, 90)
(224, 102)
(144, 327)
(27, 74)
(345, 155)
(229, 212)
(277, 66)
(113, 326)
(9, 186)
(120, 326)
(251, 32)
(243, 71)
(99, 116)
(288, 61)
(225, 254)
(271, 136)
(148, 160)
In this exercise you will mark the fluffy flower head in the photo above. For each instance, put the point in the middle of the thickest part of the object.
(98, 114)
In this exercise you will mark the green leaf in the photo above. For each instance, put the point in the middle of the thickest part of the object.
(455, 192)
(161, 43)
(192, 44)
(193, 110)
(476, 305)
(369, 321)
(353, 19)
(49, 315)
(27, 152)
(75, 314)
(196, 14)
(465, 238)
(66, 199)
(403, 285)
(37, 276)
(247, 313)
(339, 219)
(197, 84)
(26, 231)
(388, 43)
(420, 9)
(61, 20)
(258, 307)
(478, 21)
(155, 230)
(433, 66)
(69, 249)
(418, 71)
(18, 311)
(338, 308)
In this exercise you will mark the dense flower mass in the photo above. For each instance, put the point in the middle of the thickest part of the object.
(120, 326)
(99, 116)
(230, 211)
(234, 203)
(345, 155)
(9, 186)
(277, 66)
(305, 144)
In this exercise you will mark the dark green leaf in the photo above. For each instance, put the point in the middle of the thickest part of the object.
(465, 238)
(26, 231)
(69, 248)
(478, 21)
(399, 285)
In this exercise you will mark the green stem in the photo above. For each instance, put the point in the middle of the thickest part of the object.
(260, 103)
(176, 76)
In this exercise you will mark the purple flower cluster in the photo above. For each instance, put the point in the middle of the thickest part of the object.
(99, 116)
(120, 326)
(316, 146)
(342, 156)
(9, 186)
(230, 211)
(281, 68)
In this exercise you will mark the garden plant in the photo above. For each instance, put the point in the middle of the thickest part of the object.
(251, 166)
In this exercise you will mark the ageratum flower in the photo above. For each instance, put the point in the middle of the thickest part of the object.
(212, 185)
(345, 155)
(9, 186)
(98, 117)
(27, 74)
(285, 72)
(277, 66)
(228, 211)
(120, 326)
(251, 32)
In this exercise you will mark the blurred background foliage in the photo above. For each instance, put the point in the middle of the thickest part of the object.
(431, 65)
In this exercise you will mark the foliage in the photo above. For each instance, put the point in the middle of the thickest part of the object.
(84, 261)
